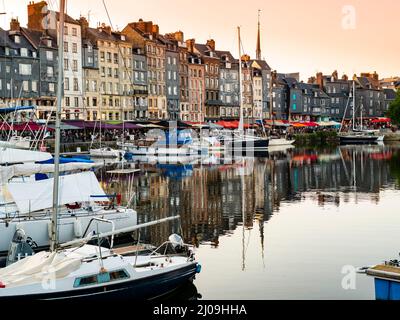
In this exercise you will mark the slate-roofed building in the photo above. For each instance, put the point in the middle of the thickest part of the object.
(140, 89)
(145, 36)
(229, 88)
(19, 68)
(172, 77)
(46, 46)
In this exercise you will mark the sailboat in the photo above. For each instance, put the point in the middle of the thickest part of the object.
(77, 270)
(240, 141)
(358, 136)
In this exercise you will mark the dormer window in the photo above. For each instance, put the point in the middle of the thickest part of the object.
(49, 44)
(17, 39)
(123, 38)
(24, 52)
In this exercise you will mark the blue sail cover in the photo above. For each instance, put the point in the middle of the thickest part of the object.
(66, 160)
(15, 109)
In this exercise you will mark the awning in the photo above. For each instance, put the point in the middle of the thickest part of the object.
(29, 126)
(381, 120)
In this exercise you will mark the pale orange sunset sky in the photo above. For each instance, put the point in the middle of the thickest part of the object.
(307, 36)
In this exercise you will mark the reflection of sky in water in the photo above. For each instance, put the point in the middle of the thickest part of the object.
(307, 215)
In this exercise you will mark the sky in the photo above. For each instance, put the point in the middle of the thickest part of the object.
(306, 36)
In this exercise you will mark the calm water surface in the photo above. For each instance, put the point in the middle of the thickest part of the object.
(280, 227)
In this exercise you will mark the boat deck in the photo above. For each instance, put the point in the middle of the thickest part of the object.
(385, 271)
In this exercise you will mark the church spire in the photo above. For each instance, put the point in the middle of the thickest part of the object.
(258, 51)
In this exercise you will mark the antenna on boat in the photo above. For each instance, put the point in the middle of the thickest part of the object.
(54, 240)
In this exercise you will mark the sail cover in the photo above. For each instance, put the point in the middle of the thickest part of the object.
(38, 195)
(28, 169)
(20, 156)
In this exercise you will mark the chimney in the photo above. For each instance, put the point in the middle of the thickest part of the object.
(179, 36)
(375, 76)
(190, 45)
(36, 15)
(345, 77)
(211, 44)
(14, 25)
(320, 80)
(106, 29)
(335, 75)
(84, 25)
(155, 30)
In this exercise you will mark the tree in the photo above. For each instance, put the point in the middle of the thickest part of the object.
(394, 109)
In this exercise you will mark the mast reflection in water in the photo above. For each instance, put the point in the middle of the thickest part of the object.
(314, 206)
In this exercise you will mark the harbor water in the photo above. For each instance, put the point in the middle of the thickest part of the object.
(294, 224)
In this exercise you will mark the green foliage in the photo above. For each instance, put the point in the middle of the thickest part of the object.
(318, 138)
(394, 110)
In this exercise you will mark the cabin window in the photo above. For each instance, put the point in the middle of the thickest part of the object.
(101, 278)
(86, 281)
(118, 275)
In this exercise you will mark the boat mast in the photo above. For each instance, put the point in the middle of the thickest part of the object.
(241, 124)
(354, 105)
(60, 93)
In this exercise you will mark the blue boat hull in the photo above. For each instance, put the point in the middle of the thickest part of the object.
(387, 289)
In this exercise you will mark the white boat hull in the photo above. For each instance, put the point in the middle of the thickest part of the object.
(280, 142)
(107, 153)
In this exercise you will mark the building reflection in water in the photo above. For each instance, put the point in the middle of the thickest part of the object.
(210, 201)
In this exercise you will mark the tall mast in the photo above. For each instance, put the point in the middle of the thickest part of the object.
(258, 50)
(60, 94)
(354, 105)
(241, 124)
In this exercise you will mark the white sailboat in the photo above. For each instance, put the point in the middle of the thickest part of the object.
(240, 141)
(358, 136)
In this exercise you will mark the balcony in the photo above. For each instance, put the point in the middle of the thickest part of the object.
(140, 92)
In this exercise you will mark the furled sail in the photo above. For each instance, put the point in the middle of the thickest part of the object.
(38, 195)
(28, 169)
(10, 156)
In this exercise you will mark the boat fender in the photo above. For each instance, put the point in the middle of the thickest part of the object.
(78, 229)
(198, 268)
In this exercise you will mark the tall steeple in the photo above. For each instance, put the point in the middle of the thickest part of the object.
(258, 51)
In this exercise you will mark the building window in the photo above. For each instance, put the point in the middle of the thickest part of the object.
(24, 52)
(49, 55)
(75, 65)
(66, 84)
(34, 86)
(66, 64)
(17, 39)
(76, 104)
(74, 48)
(65, 46)
(74, 32)
(294, 106)
(51, 87)
(25, 86)
(67, 102)
(76, 85)
(25, 69)
(50, 71)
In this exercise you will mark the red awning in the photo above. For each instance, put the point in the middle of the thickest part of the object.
(31, 126)
(381, 120)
